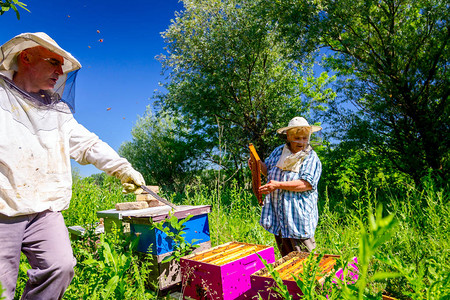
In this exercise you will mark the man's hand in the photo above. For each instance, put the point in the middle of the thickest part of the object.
(131, 181)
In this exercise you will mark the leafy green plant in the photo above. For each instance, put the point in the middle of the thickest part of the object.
(6, 5)
(113, 264)
(93, 194)
(371, 238)
(380, 231)
(109, 269)
(280, 287)
(437, 285)
(174, 229)
(1, 291)
(308, 283)
(418, 250)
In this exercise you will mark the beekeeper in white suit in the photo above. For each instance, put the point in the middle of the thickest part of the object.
(38, 136)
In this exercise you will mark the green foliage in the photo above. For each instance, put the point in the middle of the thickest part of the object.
(378, 232)
(228, 79)
(391, 59)
(108, 269)
(308, 283)
(418, 249)
(174, 229)
(437, 285)
(92, 194)
(349, 171)
(6, 5)
(164, 150)
(1, 291)
(280, 287)
(421, 241)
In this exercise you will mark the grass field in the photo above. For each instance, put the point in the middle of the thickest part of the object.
(401, 240)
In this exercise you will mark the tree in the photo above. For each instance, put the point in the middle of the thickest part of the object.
(163, 150)
(226, 71)
(392, 61)
(6, 5)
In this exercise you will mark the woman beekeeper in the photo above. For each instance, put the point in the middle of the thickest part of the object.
(39, 136)
(290, 207)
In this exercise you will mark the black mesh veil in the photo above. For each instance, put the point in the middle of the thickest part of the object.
(62, 96)
(66, 89)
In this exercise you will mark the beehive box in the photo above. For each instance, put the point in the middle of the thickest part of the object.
(222, 272)
(292, 264)
(155, 241)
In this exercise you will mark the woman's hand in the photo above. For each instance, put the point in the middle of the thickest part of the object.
(269, 187)
(261, 163)
(295, 186)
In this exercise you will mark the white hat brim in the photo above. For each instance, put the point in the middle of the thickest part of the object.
(313, 128)
(14, 46)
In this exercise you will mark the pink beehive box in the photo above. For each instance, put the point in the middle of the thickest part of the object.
(287, 267)
(222, 272)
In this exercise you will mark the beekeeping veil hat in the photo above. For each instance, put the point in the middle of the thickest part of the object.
(64, 89)
(299, 122)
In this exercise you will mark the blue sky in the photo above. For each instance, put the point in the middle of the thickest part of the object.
(120, 73)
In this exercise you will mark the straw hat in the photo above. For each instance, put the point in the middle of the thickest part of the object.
(298, 122)
(10, 49)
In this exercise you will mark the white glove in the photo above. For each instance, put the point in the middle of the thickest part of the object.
(131, 181)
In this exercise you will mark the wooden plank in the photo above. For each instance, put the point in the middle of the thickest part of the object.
(296, 264)
(182, 212)
(210, 255)
(236, 255)
(156, 213)
(125, 206)
(222, 254)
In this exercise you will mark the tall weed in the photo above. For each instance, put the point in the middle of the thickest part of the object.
(379, 230)
(174, 229)
(92, 194)
(109, 269)
(418, 250)
(1, 291)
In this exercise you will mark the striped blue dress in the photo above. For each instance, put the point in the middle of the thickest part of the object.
(294, 214)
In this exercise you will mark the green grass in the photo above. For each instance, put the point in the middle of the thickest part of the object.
(417, 247)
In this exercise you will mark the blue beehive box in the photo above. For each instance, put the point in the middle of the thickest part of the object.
(155, 241)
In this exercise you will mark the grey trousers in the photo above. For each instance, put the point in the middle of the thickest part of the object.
(287, 245)
(44, 240)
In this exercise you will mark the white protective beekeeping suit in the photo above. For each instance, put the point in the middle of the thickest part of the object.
(37, 140)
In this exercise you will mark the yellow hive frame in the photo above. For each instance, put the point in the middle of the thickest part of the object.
(255, 167)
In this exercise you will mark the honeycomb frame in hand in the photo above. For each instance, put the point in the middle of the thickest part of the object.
(255, 167)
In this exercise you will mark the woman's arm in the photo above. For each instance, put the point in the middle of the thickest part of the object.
(295, 186)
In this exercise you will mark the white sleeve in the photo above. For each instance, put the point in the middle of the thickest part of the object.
(87, 148)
